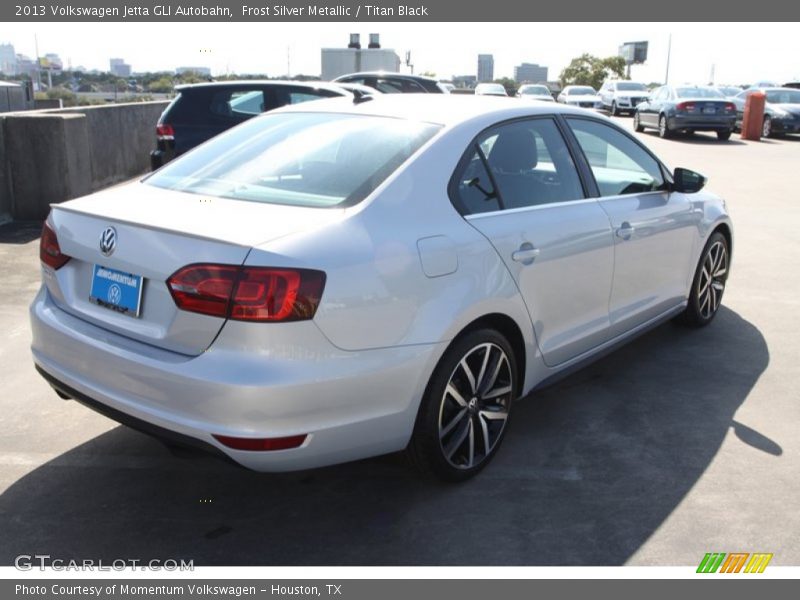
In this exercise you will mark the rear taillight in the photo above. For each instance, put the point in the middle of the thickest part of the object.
(248, 293)
(686, 106)
(261, 444)
(165, 132)
(49, 250)
(730, 107)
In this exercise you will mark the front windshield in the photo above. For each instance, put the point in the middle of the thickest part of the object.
(629, 86)
(581, 91)
(535, 90)
(301, 159)
(697, 92)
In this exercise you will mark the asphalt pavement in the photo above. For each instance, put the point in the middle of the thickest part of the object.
(681, 443)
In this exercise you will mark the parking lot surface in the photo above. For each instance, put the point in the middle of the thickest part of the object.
(681, 443)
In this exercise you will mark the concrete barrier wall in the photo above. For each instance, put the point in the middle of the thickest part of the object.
(50, 156)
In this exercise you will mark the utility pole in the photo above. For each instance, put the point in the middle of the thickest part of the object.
(669, 51)
(38, 71)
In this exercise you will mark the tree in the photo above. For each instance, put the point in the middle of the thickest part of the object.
(508, 83)
(591, 70)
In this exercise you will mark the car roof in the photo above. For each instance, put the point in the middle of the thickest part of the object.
(239, 83)
(386, 74)
(443, 109)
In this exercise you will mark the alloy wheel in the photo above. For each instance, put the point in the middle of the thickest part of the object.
(474, 407)
(766, 128)
(711, 282)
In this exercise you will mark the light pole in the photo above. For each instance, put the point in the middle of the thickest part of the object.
(669, 51)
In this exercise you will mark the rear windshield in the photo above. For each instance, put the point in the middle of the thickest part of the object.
(581, 91)
(697, 92)
(631, 87)
(301, 159)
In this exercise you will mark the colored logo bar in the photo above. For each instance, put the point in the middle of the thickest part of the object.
(734, 562)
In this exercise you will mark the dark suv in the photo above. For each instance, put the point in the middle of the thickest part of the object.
(394, 83)
(203, 110)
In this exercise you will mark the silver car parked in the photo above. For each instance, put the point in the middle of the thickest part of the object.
(349, 278)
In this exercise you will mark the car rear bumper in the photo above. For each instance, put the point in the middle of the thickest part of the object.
(351, 405)
(701, 123)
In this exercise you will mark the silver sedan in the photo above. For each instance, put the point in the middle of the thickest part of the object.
(349, 278)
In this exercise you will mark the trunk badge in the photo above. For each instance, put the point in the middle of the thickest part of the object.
(108, 241)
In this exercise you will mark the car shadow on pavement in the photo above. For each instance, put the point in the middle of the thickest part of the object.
(590, 468)
(20, 232)
(701, 138)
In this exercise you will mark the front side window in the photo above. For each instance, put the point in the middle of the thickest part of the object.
(517, 165)
(620, 166)
(300, 159)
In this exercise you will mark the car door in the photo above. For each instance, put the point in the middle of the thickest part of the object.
(648, 112)
(518, 185)
(606, 94)
(654, 230)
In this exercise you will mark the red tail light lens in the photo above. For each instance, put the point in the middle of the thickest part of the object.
(730, 107)
(248, 293)
(686, 106)
(261, 444)
(49, 250)
(165, 131)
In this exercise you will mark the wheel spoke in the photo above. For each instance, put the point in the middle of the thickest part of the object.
(494, 415)
(456, 442)
(471, 456)
(482, 372)
(500, 391)
(485, 431)
(494, 373)
(468, 373)
(453, 422)
(454, 393)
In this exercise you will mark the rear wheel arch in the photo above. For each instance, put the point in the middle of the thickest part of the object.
(509, 329)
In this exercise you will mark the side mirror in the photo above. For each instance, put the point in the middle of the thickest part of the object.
(687, 181)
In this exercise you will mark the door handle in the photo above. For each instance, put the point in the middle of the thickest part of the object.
(626, 231)
(526, 254)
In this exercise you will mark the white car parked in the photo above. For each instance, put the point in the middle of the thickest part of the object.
(347, 278)
(583, 96)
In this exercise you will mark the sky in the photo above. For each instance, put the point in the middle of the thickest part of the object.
(446, 49)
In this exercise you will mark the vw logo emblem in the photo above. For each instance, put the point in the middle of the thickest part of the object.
(114, 294)
(108, 241)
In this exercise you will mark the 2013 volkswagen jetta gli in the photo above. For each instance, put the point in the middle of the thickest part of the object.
(343, 279)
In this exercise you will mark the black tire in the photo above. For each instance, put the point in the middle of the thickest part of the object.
(637, 124)
(704, 289)
(613, 110)
(766, 127)
(453, 430)
(724, 135)
(663, 127)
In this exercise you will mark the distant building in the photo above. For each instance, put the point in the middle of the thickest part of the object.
(485, 68)
(530, 72)
(26, 65)
(465, 81)
(354, 58)
(8, 59)
(119, 67)
(201, 71)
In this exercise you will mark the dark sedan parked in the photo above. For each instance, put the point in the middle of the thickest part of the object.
(394, 83)
(686, 108)
(202, 110)
(781, 112)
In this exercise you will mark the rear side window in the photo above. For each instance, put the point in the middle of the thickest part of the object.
(398, 86)
(620, 166)
(517, 165)
(300, 159)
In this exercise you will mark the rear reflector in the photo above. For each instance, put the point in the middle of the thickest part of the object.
(165, 132)
(261, 444)
(248, 293)
(49, 250)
